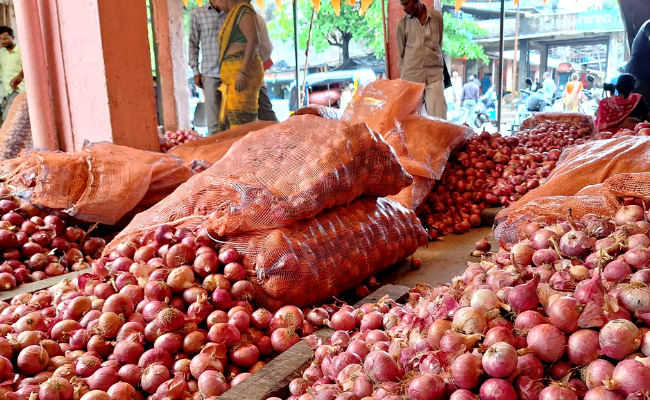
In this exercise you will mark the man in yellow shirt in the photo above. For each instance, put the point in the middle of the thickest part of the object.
(11, 69)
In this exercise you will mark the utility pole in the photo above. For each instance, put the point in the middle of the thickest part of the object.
(515, 67)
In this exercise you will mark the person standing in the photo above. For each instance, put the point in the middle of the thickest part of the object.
(205, 24)
(265, 111)
(573, 96)
(469, 98)
(486, 82)
(419, 42)
(457, 85)
(548, 88)
(640, 61)
(11, 69)
(583, 76)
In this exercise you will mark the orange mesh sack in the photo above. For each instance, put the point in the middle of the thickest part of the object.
(100, 183)
(313, 260)
(581, 120)
(589, 164)
(384, 104)
(320, 111)
(431, 140)
(279, 175)
(213, 147)
(16, 132)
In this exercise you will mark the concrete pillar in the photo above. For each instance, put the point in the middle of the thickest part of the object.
(613, 49)
(96, 60)
(172, 63)
(523, 64)
(543, 58)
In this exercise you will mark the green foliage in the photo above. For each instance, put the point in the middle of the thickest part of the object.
(605, 5)
(330, 30)
(457, 39)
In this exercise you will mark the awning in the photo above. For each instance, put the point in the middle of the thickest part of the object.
(336, 5)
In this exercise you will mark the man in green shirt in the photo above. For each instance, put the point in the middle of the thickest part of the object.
(11, 69)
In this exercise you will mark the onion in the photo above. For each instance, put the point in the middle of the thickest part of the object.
(483, 245)
(522, 254)
(630, 376)
(453, 341)
(155, 356)
(554, 392)
(547, 342)
(226, 333)
(343, 320)
(528, 319)
(524, 297)
(169, 319)
(628, 214)
(204, 362)
(637, 258)
(466, 371)
(602, 393)
(153, 376)
(102, 379)
(529, 365)
(380, 366)
(619, 338)
(497, 389)
(635, 298)
(56, 389)
(484, 300)
(244, 355)
(119, 303)
(574, 244)
(500, 360)
(540, 239)
(527, 388)
(597, 372)
(178, 255)
(499, 334)
(469, 320)
(436, 331)
(583, 347)
(261, 318)
(283, 338)
(564, 314)
(545, 257)
(212, 383)
(32, 360)
(426, 387)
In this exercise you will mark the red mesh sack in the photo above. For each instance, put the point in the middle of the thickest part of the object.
(313, 260)
(384, 104)
(213, 147)
(100, 183)
(580, 120)
(320, 111)
(278, 175)
(16, 132)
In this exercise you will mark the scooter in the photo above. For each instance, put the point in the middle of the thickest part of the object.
(485, 111)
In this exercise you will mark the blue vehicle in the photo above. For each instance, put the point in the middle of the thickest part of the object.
(486, 109)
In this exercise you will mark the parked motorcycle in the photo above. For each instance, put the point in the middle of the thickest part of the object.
(485, 110)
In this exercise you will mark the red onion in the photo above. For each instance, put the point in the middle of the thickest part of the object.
(602, 393)
(426, 387)
(452, 341)
(56, 389)
(485, 300)
(380, 366)
(554, 392)
(545, 257)
(529, 365)
(583, 347)
(342, 320)
(466, 371)
(547, 342)
(130, 373)
(244, 355)
(527, 388)
(597, 372)
(522, 254)
(204, 362)
(102, 379)
(436, 331)
(635, 298)
(153, 376)
(619, 338)
(32, 360)
(574, 244)
(212, 383)
(628, 214)
(524, 297)
(637, 258)
(462, 394)
(498, 334)
(261, 318)
(227, 333)
(540, 239)
(564, 314)
(234, 272)
(497, 389)
(169, 319)
(500, 360)
(630, 376)
(528, 319)
(282, 339)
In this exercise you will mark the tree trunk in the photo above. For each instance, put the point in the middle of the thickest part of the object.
(345, 46)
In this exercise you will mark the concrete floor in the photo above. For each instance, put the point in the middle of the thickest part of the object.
(442, 260)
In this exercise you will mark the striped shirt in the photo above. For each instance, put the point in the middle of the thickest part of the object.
(205, 24)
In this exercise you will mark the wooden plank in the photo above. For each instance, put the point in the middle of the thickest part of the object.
(39, 285)
(274, 378)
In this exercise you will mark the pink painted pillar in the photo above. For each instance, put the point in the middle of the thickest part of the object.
(394, 13)
(41, 113)
(96, 57)
(172, 63)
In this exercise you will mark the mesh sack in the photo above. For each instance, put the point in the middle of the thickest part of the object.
(431, 140)
(414, 195)
(384, 104)
(279, 175)
(16, 132)
(213, 147)
(602, 199)
(320, 111)
(581, 120)
(313, 260)
(100, 183)
(589, 164)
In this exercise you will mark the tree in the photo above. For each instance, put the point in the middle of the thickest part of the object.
(458, 38)
(330, 30)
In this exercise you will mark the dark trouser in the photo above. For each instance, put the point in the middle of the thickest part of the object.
(265, 111)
